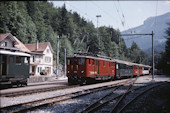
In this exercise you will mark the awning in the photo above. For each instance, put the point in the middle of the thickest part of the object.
(17, 53)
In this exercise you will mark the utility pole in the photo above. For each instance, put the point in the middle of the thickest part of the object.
(153, 68)
(98, 30)
(57, 61)
(65, 55)
(153, 64)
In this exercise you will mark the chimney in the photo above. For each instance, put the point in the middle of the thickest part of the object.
(36, 47)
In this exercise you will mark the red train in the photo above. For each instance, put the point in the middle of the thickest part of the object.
(85, 68)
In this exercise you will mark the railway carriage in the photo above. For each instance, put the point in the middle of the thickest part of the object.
(14, 67)
(146, 70)
(123, 68)
(85, 68)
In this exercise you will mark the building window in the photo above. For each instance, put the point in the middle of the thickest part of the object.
(48, 51)
(96, 62)
(6, 44)
(33, 58)
(18, 60)
(33, 69)
(103, 63)
(49, 70)
(48, 59)
(89, 61)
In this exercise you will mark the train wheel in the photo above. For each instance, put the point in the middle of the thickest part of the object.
(112, 78)
(19, 84)
(71, 81)
(117, 77)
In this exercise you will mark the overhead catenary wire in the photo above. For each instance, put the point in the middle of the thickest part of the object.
(85, 13)
(109, 15)
(123, 15)
(121, 20)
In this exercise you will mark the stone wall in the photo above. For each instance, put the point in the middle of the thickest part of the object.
(34, 79)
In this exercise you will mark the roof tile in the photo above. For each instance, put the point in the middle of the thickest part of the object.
(4, 35)
(41, 46)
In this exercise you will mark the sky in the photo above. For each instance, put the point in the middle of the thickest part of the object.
(120, 15)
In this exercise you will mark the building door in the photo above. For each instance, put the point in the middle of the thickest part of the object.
(33, 69)
(48, 70)
(4, 65)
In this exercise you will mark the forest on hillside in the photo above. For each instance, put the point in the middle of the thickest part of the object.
(36, 20)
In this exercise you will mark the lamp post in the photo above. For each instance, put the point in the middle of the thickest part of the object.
(98, 29)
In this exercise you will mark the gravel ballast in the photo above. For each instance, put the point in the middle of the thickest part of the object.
(161, 98)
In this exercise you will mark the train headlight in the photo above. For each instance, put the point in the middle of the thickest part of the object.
(82, 71)
(68, 71)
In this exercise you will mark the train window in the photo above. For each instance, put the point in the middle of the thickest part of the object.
(96, 62)
(145, 68)
(11, 59)
(89, 61)
(18, 60)
(69, 62)
(117, 67)
(103, 63)
(92, 61)
(81, 61)
(26, 60)
(75, 61)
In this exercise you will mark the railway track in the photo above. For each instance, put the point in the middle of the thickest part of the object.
(28, 92)
(117, 103)
(23, 107)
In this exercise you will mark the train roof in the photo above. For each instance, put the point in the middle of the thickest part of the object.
(100, 57)
(92, 57)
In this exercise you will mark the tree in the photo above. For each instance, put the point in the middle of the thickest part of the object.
(12, 20)
(135, 53)
(167, 51)
(65, 24)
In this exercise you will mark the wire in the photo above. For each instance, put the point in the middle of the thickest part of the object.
(104, 11)
(124, 17)
(122, 22)
(83, 12)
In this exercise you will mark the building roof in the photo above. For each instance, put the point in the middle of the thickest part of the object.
(18, 44)
(41, 47)
(21, 46)
(3, 36)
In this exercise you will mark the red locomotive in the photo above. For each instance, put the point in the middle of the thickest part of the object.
(84, 68)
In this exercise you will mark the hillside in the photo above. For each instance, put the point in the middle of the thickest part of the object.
(32, 20)
(145, 42)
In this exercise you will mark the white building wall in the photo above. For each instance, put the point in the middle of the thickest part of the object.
(42, 62)
(48, 63)
(9, 42)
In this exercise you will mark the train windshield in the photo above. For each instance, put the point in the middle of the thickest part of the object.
(81, 61)
(69, 62)
(75, 61)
